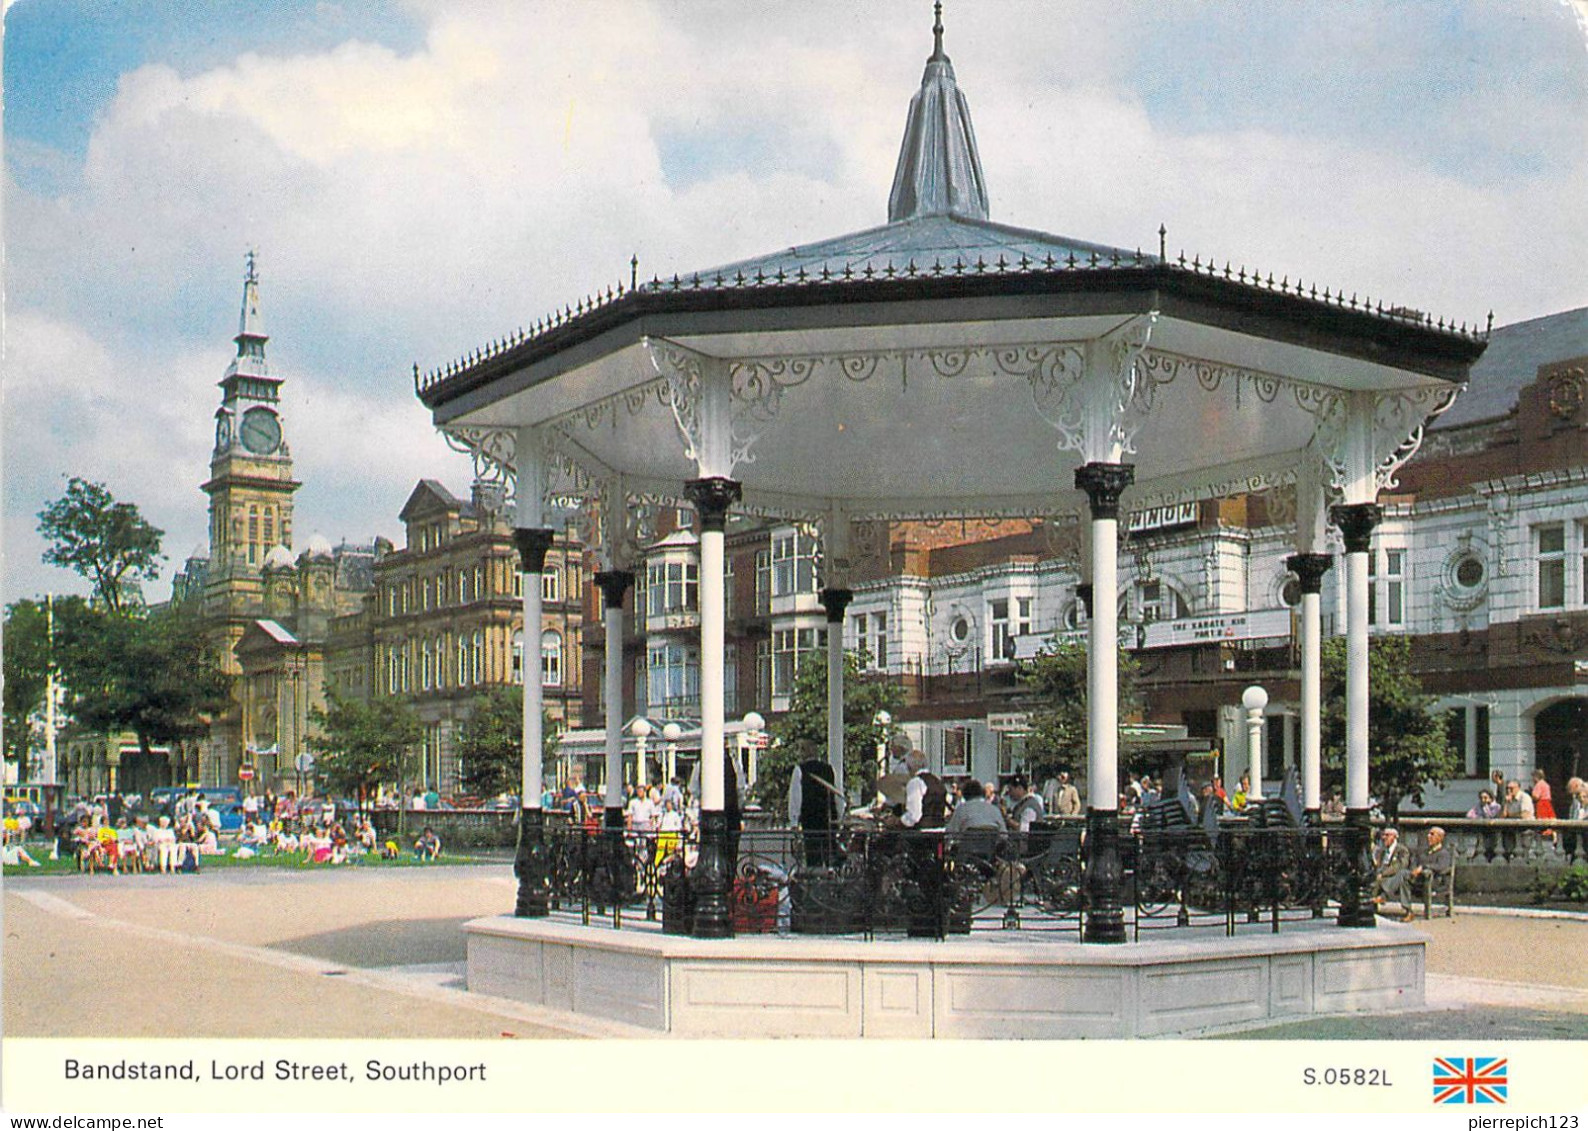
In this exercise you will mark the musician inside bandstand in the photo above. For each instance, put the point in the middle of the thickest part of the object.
(925, 797)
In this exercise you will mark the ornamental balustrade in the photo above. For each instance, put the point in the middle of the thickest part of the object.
(870, 882)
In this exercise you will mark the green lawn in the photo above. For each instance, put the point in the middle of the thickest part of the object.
(290, 860)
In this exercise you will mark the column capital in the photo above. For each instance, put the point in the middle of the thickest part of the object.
(835, 601)
(711, 498)
(1309, 570)
(613, 583)
(1104, 483)
(532, 542)
(1356, 522)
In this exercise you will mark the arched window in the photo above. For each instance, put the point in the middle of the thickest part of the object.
(551, 659)
(518, 656)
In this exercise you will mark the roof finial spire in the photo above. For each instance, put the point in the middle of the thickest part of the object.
(251, 274)
(937, 30)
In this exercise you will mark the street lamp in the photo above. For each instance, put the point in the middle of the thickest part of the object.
(754, 724)
(672, 732)
(641, 730)
(1254, 699)
(882, 720)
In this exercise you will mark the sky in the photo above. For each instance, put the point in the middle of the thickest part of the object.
(420, 178)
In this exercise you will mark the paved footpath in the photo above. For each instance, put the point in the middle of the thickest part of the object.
(265, 952)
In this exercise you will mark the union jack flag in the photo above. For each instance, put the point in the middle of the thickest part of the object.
(1469, 1080)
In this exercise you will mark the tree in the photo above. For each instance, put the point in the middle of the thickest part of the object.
(107, 542)
(27, 663)
(156, 676)
(491, 743)
(801, 733)
(1056, 680)
(1407, 746)
(363, 746)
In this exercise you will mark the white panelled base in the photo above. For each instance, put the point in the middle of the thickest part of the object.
(1004, 987)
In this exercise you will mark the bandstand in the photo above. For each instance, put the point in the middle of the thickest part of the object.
(943, 365)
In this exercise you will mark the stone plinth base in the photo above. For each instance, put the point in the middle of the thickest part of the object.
(1005, 984)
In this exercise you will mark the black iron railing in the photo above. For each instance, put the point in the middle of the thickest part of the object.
(872, 882)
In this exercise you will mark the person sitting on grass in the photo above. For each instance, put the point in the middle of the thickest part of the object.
(208, 843)
(366, 835)
(164, 841)
(389, 851)
(428, 846)
(14, 856)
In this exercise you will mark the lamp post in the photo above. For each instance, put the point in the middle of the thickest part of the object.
(754, 724)
(672, 732)
(1254, 699)
(641, 730)
(882, 720)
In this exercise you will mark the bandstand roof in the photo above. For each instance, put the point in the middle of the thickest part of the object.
(927, 367)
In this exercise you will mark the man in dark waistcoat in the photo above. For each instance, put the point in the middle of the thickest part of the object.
(813, 805)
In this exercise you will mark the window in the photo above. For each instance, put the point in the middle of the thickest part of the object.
(871, 638)
(727, 587)
(998, 619)
(763, 673)
(426, 601)
(518, 584)
(477, 658)
(673, 684)
(270, 526)
(1549, 544)
(479, 582)
(674, 587)
(551, 586)
(518, 656)
(789, 646)
(551, 659)
(463, 661)
(1385, 590)
(793, 564)
(763, 582)
(444, 588)
(1467, 735)
(1582, 570)
(443, 651)
(426, 660)
(253, 535)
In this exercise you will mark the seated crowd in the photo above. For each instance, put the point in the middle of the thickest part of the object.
(134, 843)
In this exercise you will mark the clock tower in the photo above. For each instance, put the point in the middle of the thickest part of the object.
(250, 484)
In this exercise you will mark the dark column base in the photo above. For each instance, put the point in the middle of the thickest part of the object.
(1105, 914)
(532, 866)
(1356, 895)
(712, 879)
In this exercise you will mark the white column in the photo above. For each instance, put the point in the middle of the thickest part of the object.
(835, 699)
(1356, 682)
(530, 517)
(1102, 671)
(613, 621)
(712, 631)
(1311, 701)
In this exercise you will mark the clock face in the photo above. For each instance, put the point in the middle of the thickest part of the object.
(261, 431)
(223, 431)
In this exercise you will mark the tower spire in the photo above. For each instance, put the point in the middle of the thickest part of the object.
(251, 336)
(939, 171)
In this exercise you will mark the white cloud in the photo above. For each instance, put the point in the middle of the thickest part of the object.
(411, 206)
